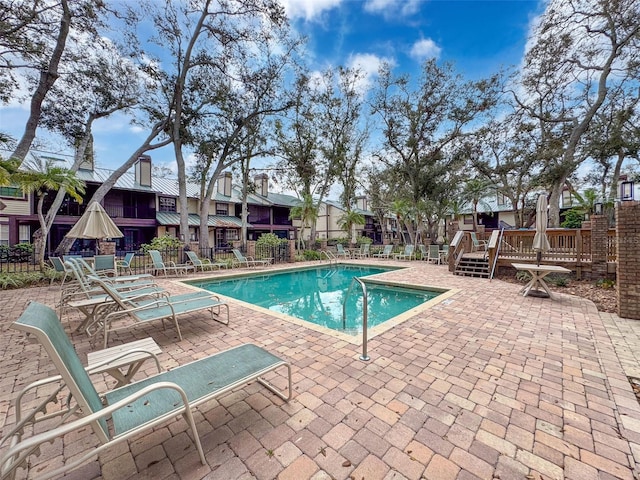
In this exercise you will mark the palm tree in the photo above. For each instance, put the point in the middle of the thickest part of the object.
(7, 169)
(307, 212)
(40, 176)
(349, 219)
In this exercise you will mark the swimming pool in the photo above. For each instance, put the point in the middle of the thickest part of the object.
(316, 295)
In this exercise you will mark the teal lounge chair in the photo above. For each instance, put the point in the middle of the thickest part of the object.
(59, 267)
(125, 412)
(363, 252)
(386, 252)
(203, 264)
(434, 254)
(147, 308)
(249, 261)
(105, 265)
(408, 253)
(125, 263)
(167, 268)
(477, 245)
(342, 252)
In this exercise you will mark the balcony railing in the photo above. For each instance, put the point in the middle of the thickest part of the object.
(130, 211)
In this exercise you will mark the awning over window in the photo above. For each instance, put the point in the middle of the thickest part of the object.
(216, 221)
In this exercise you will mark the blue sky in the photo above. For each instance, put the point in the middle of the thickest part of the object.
(478, 36)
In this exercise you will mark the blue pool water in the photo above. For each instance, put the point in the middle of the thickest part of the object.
(316, 295)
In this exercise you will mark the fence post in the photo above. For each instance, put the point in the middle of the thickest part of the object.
(599, 232)
(628, 255)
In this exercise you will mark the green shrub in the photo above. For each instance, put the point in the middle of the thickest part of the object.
(523, 276)
(558, 281)
(299, 258)
(270, 240)
(573, 218)
(311, 255)
(605, 283)
(22, 279)
(363, 240)
(161, 243)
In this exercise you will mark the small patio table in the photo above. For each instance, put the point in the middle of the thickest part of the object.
(538, 272)
(131, 355)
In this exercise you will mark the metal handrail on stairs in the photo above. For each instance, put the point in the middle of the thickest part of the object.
(365, 315)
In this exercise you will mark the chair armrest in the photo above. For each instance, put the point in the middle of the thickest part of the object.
(22, 450)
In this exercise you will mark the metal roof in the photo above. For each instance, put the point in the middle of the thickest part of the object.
(218, 221)
(169, 186)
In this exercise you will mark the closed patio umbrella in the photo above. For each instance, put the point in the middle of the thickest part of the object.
(95, 224)
(441, 231)
(540, 240)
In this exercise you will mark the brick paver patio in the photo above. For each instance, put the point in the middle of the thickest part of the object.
(484, 385)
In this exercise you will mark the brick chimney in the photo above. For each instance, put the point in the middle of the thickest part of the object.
(143, 171)
(262, 184)
(224, 184)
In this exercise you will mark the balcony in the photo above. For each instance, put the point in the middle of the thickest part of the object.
(130, 211)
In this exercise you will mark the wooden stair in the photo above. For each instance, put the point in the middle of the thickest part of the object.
(473, 266)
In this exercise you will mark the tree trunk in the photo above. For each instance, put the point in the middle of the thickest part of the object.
(48, 77)
(554, 202)
(66, 243)
(44, 233)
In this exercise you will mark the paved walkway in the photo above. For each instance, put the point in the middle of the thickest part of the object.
(484, 385)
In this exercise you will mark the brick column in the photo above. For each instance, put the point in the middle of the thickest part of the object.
(599, 228)
(628, 255)
(107, 248)
(251, 248)
(292, 251)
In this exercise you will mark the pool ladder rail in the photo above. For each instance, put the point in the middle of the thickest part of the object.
(365, 315)
(330, 256)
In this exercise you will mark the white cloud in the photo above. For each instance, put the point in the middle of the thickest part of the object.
(369, 64)
(392, 8)
(424, 49)
(308, 9)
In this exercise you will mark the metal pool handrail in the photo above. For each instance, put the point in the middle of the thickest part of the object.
(330, 256)
(365, 315)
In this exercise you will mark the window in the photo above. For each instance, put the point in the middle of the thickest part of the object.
(233, 235)
(566, 198)
(11, 192)
(501, 199)
(167, 204)
(24, 232)
(222, 208)
(626, 190)
(4, 234)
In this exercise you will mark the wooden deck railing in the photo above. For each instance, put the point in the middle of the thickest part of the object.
(565, 244)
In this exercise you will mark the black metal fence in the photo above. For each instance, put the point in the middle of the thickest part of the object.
(18, 260)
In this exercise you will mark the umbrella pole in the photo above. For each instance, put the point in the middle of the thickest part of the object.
(538, 256)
